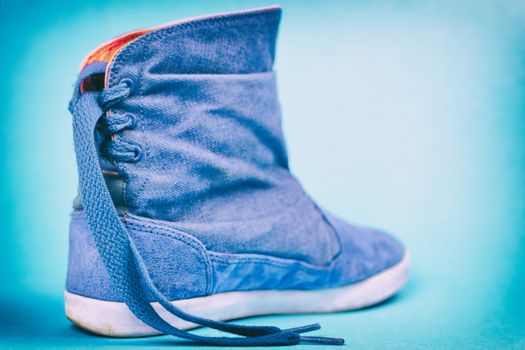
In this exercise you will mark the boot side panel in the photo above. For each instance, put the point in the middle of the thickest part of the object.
(177, 263)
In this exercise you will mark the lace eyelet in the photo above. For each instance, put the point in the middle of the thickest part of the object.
(137, 154)
(127, 82)
(132, 121)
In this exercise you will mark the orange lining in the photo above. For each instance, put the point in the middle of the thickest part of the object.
(107, 51)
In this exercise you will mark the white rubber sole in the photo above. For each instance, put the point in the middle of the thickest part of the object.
(114, 319)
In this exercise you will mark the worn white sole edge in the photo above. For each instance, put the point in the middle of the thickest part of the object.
(114, 319)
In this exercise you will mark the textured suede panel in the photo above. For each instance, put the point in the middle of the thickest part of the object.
(182, 268)
(86, 274)
(365, 252)
(176, 262)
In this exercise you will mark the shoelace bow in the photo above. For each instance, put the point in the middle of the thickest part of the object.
(119, 253)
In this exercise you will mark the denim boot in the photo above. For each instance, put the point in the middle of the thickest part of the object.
(188, 214)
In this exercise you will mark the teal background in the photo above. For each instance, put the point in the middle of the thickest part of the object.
(407, 115)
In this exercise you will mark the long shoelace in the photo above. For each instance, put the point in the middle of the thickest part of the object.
(119, 253)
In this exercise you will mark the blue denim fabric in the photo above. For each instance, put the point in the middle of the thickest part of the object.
(214, 160)
(210, 202)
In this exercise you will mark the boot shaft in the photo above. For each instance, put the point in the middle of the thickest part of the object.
(198, 140)
(206, 120)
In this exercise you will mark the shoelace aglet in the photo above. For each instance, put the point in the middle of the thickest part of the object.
(321, 340)
(315, 340)
(304, 329)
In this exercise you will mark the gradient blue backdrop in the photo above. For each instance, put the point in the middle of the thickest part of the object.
(409, 116)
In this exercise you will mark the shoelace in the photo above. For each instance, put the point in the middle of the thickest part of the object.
(116, 148)
(119, 253)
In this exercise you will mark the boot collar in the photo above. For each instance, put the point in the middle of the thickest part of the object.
(255, 29)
